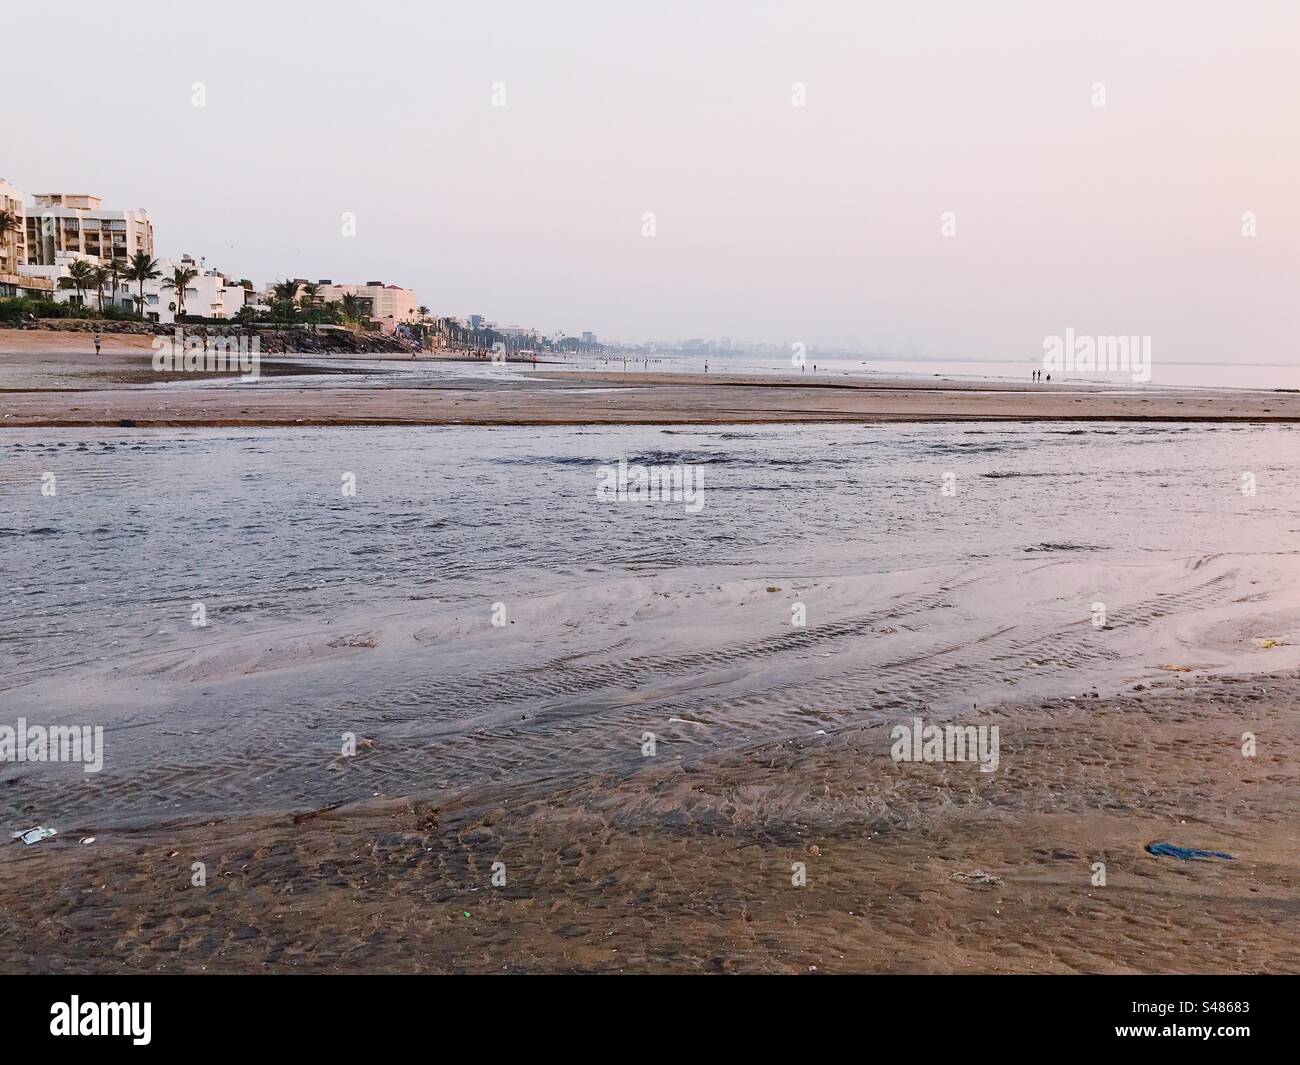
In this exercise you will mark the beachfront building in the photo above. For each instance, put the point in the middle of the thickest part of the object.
(32, 288)
(519, 338)
(75, 224)
(389, 305)
(13, 249)
(210, 293)
(13, 242)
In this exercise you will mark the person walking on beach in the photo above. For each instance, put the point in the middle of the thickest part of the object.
(97, 343)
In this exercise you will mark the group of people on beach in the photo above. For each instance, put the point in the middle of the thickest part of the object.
(1037, 375)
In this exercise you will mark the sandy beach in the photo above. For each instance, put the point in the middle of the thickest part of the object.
(50, 383)
(723, 489)
(684, 865)
(518, 752)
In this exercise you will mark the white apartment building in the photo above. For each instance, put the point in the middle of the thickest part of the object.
(210, 293)
(63, 223)
(60, 227)
(389, 304)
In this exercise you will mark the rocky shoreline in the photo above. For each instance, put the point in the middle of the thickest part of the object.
(271, 341)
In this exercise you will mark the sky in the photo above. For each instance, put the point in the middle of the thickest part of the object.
(821, 224)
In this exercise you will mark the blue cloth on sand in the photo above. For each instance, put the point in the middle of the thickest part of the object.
(1172, 850)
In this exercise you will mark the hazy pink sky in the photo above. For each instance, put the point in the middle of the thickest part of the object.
(819, 224)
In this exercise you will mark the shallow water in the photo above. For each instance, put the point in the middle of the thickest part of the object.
(1163, 374)
(372, 614)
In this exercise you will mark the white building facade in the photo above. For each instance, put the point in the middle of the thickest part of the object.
(64, 223)
(210, 294)
(390, 305)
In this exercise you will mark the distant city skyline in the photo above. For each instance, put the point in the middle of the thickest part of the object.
(938, 181)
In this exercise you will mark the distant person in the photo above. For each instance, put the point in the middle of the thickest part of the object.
(1049, 376)
(98, 341)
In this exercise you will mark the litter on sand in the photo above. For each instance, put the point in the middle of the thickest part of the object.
(1185, 854)
(35, 835)
(977, 877)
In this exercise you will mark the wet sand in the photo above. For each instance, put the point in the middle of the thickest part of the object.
(47, 387)
(684, 864)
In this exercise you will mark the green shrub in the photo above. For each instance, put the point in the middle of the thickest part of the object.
(15, 309)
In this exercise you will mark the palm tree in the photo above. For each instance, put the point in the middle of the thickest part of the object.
(353, 309)
(180, 279)
(81, 275)
(117, 271)
(310, 296)
(9, 224)
(99, 277)
(143, 269)
(284, 296)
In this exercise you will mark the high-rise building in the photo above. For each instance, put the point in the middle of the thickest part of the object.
(63, 223)
(13, 249)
